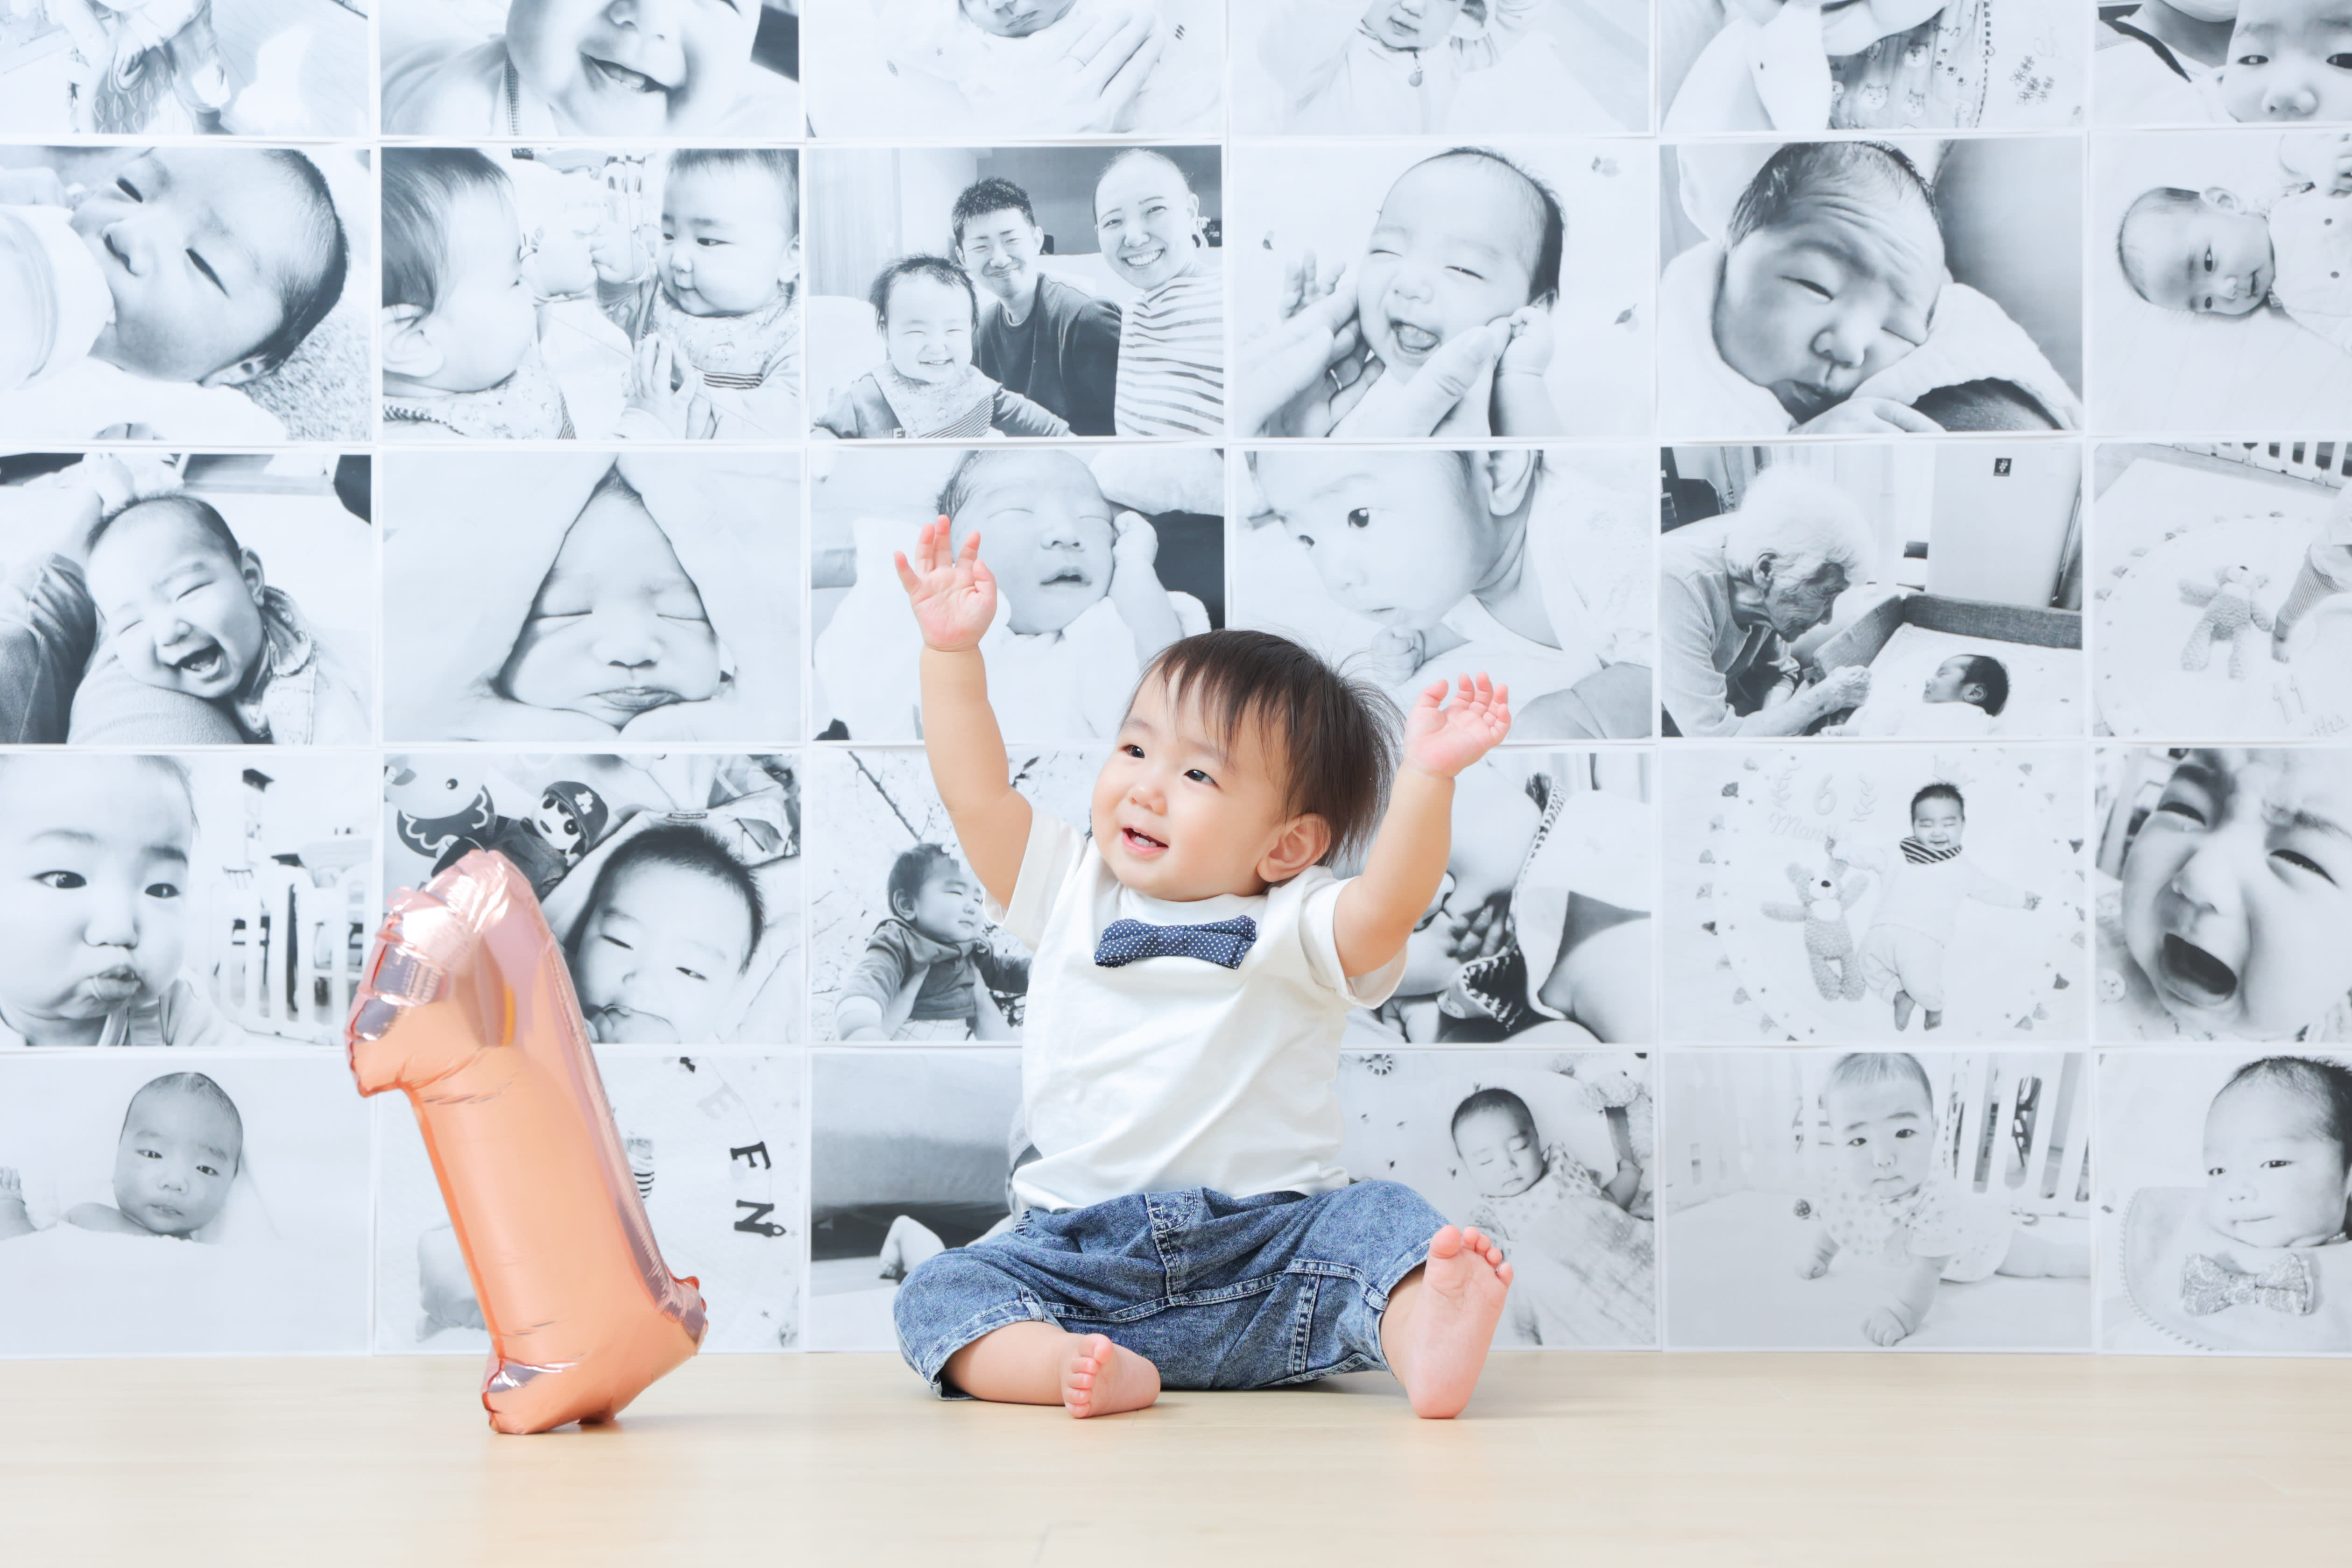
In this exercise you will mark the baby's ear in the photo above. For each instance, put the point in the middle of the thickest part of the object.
(2221, 198)
(790, 271)
(1508, 476)
(408, 349)
(246, 369)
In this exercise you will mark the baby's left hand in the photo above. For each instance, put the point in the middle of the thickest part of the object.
(1529, 350)
(1443, 740)
(665, 385)
(1134, 550)
(1887, 1326)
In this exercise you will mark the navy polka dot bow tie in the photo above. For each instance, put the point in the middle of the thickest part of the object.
(1225, 943)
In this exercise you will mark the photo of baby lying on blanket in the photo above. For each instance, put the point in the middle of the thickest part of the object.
(651, 598)
(2211, 62)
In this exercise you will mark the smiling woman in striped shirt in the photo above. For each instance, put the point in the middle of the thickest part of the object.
(1171, 344)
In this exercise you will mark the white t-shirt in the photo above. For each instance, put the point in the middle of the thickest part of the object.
(1171, 1073)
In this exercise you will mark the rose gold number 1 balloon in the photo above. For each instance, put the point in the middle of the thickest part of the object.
(468, 1008)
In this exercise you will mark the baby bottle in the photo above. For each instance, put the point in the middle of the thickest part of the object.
(54, 300)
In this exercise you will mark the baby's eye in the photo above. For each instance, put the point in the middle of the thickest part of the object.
(1907, 1132)
(1307, 540)
(2301, 862)
(1816, 289)
(2251, 60)
(2277, 1165)
(2341, 62)
(150, 1153)
(209, 1170)
(128, 189)
(1474, 277)
(206, 267)
(2213, 1172)
(1132, 750)
(162, 889)
(616, 942)
(1360, 518)
(690, 974)
(63, 881)
(2187, 810)
(707, 240)
(1197, 776)
(2209, 264)
(1855, 1142)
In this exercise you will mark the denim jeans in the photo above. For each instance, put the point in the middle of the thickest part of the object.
(1215, 1291)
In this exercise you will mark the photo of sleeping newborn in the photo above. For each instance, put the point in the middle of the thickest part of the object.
(1441, 68)
(1938, 1200)
(187, 68)
(2219, 299)
(1399, 292)
(956, 293)
(1870, 289)
(949, 69)
(2216, 62)
(206, 1206)
(2220, 884)
(188, 294)
(1405, 565)
(1102, 559)
(526, 71)
(653, 597)
(671, 881)
(714, 1143)
(2223, 1182)
(1554, 1156)
(203, 600)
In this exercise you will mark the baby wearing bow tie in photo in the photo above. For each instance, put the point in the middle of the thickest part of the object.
(1186, 1223)
(2278, 1177)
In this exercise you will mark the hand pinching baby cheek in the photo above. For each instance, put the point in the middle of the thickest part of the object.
(1457, 245)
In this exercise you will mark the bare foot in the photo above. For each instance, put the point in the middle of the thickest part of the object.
(1442, 1319)
(1101, 1378)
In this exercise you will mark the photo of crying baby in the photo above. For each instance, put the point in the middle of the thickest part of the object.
(187, 68)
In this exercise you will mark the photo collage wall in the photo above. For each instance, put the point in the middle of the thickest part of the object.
(1896, 455)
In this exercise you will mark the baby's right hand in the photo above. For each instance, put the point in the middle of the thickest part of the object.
(1812, 1266)
(1869, 416)
(1845, 687)
(953, 593)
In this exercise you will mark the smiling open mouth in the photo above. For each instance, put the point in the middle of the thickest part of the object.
(622, 77)
(204, 663)
(1140, 843)
(1139, 259)
(2195, 975)
(1413, 339)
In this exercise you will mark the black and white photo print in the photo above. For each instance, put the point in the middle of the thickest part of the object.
(1930, 591)
(584, 598)
(2221, 908)
(212, 295)
(522, 71)
(1924, 65)
(714, 1141)
(901, 947)
(672, 880)
(1409, 564)
(920, 71)
(910, 1152)
(1868, 288)
(2218, 300)
(658, 296)
(1828, 895)
(1540, 931)
(1932, 1201)
(194, 1203)
(204, 599)
(1554, 1156)
(187, 68)
(1441, 68)
(2216, 608)
(2222, 1183)
(1102, 558)
(2219, 62)
(1027, 291)
(1405, 291)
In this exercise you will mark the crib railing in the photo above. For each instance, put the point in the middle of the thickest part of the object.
(289, 953)
(2325, 462)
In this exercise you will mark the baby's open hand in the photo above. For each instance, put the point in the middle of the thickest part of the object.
(665, 384)
(1887, 1326)
(1444, 739)
(613, 247)
(953, 592)
(1530, 348)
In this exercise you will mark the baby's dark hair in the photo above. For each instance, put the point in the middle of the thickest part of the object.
(1487, 1100)
(202, 1087)
(688, 849)
(914, 868)
(421, 187)
(777, 163)
(938, 269)
(213, 525)
(986, 196)
(2326, 1086)
(2164, 201)
(305, 298)
(1940, 792)
(1988, 672)
(1802, 171)
(1551, 220)
(1867, 1070)
(1337, 736)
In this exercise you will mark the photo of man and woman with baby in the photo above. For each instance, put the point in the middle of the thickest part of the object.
(188, 294)
(1406, 293)
(1870, 288)
(585, 294)
(671, 881)
(2215, 62)
(185, 67)
(955, 293)
(152, 1208)
(649, 597)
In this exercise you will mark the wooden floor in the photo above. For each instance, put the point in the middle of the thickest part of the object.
(1616, 1460)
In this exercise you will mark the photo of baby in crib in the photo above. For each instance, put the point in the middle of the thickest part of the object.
(1532, 566)
(1553, 1155)
(1458, 293)
(2213, 62)
(218, 1208)
(187, 68)
(672, 880)
(940, 69)
(1870, 289)
(714, 1143)
(2219, 875)
(1102, 558)
(648, 597)
(1936, 1201)
(2223, 1181)
(183, 294)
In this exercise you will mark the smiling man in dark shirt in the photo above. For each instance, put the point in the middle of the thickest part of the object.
(1045, 339)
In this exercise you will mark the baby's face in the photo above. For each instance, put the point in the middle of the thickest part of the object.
(175, 1162)
(1411, 24)
(197, 244)
(927, 333)
(946, 907)
(1884, 1134)
(1179, 815)
(2274, 1177)
(618, 628)
(1399, 538)
(1148, 222)
(658, 956)
(180, 612)
(2235, 893)
(1454, 249)
(1015, 18)
(1000, 250)
(2290, 59)
(1499, 1154)
(485, 318)
(93, 869)
(1045, 532)
(1812, 308)
(619, 68)
(1951, 678)
(1939, 824)
(2214, 260)
(730, 240)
